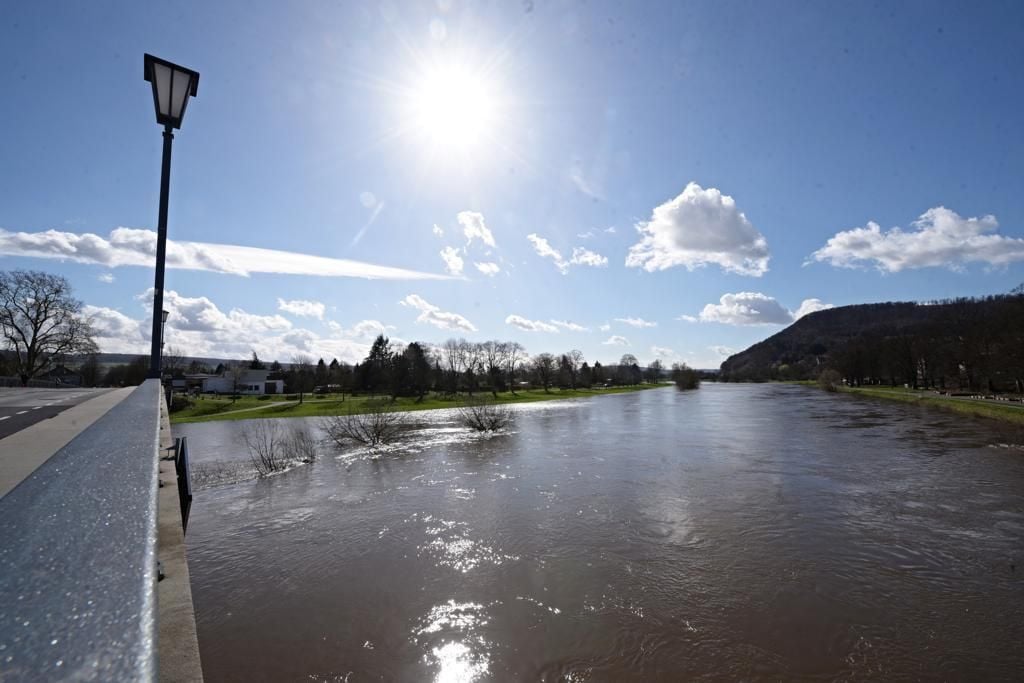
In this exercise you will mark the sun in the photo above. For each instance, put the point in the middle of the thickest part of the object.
(453, 108)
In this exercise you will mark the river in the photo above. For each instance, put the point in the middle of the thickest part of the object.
(756, 532)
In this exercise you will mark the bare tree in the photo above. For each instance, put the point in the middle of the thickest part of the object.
(493, 353)
(40, 321)
(235, 371)
(371, 424)
(485, 415)
(544, 366)
(654, 371)
(173, 361)
(264, 439)
(453, 355)
(515, 355)
(273, 448)
(473, 360)
(573, 360)
(302, 371)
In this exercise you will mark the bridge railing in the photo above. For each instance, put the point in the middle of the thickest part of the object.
(78, 567)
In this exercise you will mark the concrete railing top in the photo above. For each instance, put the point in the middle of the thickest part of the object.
(78, 554)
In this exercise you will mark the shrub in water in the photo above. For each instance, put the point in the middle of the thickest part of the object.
(484, 415)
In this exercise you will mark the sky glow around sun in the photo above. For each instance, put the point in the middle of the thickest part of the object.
(452, 107)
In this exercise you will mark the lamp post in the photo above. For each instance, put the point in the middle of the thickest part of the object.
(163, 322)
(172, 86)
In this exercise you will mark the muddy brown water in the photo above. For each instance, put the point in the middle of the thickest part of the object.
(755, 532)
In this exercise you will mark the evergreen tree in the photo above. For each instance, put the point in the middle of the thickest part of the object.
(377, 365)
(419, 370)
(256, 363)
(320, 376)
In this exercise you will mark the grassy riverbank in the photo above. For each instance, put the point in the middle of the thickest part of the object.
(1009, 412)
(251, 407)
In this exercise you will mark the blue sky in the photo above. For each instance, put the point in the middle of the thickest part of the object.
(679, 179)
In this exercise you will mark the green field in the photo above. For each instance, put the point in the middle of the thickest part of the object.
(250, 407)
(1010, 412)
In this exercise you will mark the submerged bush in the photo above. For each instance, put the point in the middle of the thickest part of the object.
(299, 444)
(685, 377)
(830, 380)
(274, 448)
(371, 424)
(484, 415)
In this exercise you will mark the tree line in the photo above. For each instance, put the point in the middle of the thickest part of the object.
(456, 366)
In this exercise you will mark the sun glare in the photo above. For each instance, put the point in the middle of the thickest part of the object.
(453, 108)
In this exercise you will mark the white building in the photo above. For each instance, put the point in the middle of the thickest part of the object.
(251, 382)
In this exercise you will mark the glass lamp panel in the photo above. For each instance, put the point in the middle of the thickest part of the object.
(162, 83)
(179, 93)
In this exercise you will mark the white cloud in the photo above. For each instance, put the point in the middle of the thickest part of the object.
(364, 329)
(309, 309)
(369, 328)
(488, 268)
(723, 351)
(571, 326)
(616, 340)
(585, 235)
(585, 257)
(473, 227)
(687, 318)
(529, 325)
(199, 327)
(452, 260)
(697, 228)
(105, 277)
(810, 306)
(605, 327)
(114, 329)
(545, 250)
(610, 230)
(135, 247)
(939, 238)
(432, 315)
(754, 308)
(636, 322)
(580, 255)
(438, 231)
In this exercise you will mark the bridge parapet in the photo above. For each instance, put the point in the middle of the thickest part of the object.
(78, 563)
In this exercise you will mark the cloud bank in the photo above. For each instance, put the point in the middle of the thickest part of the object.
(939, 237)
(309, 309)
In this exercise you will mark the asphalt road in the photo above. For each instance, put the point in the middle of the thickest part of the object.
(21, 408)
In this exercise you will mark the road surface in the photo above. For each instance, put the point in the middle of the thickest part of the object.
(21, 408)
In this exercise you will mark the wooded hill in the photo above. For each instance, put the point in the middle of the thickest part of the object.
(964, 344)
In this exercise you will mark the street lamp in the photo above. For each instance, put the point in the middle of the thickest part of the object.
(163, 321)
(172, 86)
